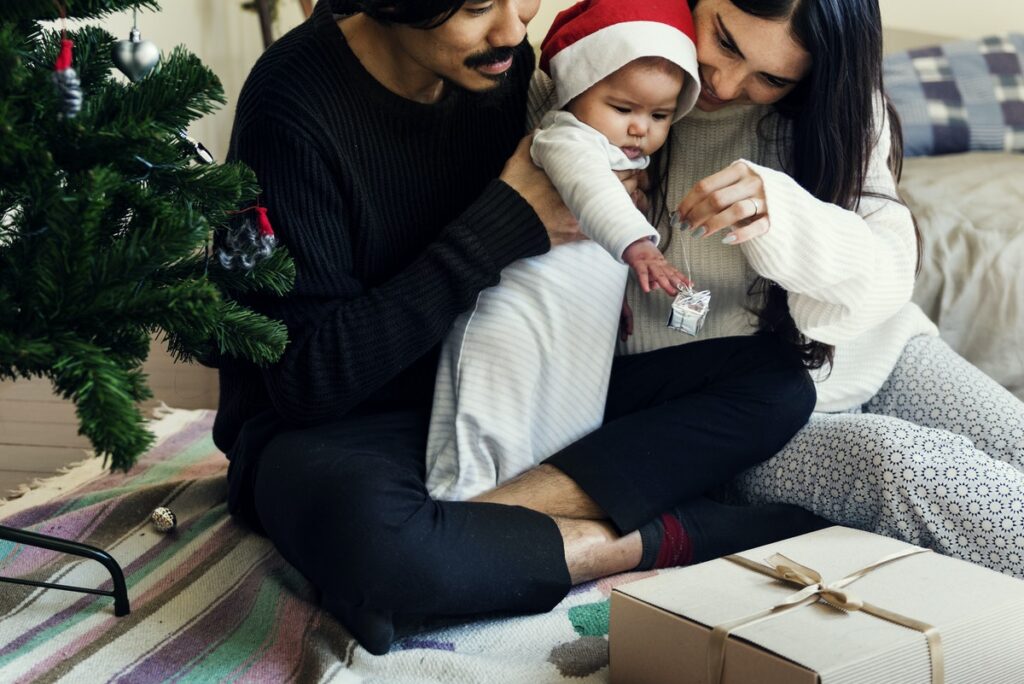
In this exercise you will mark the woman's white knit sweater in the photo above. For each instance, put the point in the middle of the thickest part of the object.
(849, 275)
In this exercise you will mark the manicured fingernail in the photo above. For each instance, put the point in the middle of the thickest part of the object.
(685, 225)
(729, 239)
(700, 232)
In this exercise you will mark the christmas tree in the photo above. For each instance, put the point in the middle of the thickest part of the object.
(115, 225)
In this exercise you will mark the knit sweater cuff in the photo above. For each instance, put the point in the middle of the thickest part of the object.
(506, 225)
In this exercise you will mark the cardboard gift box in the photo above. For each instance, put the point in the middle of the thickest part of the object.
(836, 606)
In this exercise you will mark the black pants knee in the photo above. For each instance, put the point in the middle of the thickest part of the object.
(347, 505)
(680, 421)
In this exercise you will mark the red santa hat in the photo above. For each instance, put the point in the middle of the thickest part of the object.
(595, 38)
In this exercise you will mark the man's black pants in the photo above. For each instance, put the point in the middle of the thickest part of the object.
(347, 505)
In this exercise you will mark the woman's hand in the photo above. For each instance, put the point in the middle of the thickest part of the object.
(530, 181)
(732, 199)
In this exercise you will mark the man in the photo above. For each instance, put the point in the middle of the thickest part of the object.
(386, 138)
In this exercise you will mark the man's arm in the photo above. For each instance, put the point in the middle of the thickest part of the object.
(347, 338)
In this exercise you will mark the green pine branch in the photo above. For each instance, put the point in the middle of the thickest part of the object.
(107, 226)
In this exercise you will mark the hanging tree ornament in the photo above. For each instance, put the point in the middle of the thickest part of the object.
(135, 57)
(243, 244)
(69, 87)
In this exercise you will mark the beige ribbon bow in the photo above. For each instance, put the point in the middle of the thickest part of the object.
(814, 589)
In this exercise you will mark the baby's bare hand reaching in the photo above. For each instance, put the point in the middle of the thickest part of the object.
(652, 271)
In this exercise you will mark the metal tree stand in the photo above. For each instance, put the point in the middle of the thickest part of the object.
(42, 541)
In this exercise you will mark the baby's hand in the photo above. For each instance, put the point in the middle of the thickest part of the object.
(651, 268)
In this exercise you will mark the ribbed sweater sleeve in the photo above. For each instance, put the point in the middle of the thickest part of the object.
(347, 338)
(844, 271)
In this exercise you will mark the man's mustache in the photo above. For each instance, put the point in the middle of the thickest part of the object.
(490, 57)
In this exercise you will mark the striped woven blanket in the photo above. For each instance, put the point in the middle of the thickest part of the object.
(212, 601)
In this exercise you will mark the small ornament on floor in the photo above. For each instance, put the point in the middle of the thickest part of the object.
(163, 519)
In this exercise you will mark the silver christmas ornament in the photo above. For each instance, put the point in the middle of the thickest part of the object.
(689, 310)
(164, 519)
(135, 57)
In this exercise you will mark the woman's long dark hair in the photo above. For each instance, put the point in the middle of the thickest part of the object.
(827, 145)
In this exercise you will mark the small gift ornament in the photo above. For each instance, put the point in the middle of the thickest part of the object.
(135, 57)
(689, 309)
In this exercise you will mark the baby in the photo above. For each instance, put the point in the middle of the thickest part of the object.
(524, 373)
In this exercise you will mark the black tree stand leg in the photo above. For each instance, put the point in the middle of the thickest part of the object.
(42, 541)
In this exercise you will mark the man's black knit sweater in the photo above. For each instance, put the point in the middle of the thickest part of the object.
(392, 213)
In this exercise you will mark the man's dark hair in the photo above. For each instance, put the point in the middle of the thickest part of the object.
(424, 14)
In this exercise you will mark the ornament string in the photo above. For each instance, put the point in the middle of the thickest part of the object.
(676, 224)
(689, 309)
(64, 58)
(265, 228)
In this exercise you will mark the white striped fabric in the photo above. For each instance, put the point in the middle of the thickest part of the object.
(525, 372)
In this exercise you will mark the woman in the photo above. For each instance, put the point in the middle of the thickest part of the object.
(806, 237)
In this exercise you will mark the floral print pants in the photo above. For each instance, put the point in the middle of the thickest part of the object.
(936, 458)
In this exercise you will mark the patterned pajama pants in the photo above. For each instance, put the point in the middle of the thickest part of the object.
(936, 458)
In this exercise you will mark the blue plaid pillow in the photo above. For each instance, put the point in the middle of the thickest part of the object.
(965, 95)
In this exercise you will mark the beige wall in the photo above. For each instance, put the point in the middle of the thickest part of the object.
(545, 15)
(942, 17)
(954, 18)
(227, 39)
